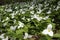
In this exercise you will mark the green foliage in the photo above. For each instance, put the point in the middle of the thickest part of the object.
(12, 14)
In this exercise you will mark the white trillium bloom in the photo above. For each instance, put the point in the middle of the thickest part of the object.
(5, 38)
(48, 30)
(23, 12)
(40, 5)
(14, 21)
(2, 35)
(57, 8)
(52, 19)
(32, 12)
(8, 10)
(7, 18)
(17, 12)
(39, 11)
(16, 7)
(5, 24)
(20, 24)
(37, 17)
(13, 27)
(3, 20)
(31, 7)
(12, 15)
(28, 19)
(49, 12)
(27, 36)
(46, 17)
(23, 18)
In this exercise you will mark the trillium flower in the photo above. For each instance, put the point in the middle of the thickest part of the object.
(36, 17)
(39, 11)
(14, 21)
(46, 17)
(31, 7)
(4, 24)
(12, 15)
(28, 19)
(23, 12)
(57, 8)
(2, 35)
(17, 12)
(16, 7)
(48, 31)
(49, 12)
(8, 10)
(7, 18)
(20, 24)
(13, 27)
(5, 38)
(27, 36)
(23, 18)
(32, 12)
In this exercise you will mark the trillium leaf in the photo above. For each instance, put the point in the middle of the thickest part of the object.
(57, 35)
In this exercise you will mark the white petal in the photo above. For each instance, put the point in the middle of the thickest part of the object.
(45, 31)
(13, 27)
(23, 12)
(48, 12)
(20, 24)
(45, 17)
(23, 18)
(32, 12)
(49, 26)
(7, 18)
(5, 38)
(29, 36)
(5, 24)
(28, 19)
(2, 35)
(50, 33)
(35, 16)
(26, 36)
(8, 10)
(31, 8)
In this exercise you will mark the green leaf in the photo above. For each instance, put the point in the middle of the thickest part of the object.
(57, 35)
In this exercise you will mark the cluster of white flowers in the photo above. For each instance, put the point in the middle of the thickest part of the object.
(34, 15)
